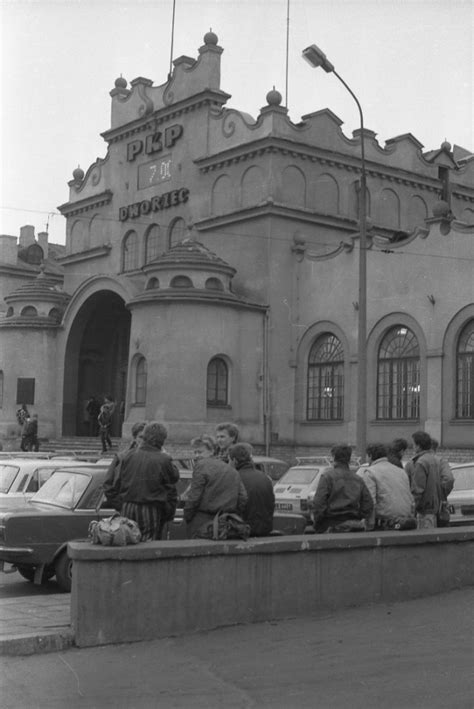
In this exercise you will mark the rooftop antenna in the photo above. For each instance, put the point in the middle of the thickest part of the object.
(287, 47)
(172, 40)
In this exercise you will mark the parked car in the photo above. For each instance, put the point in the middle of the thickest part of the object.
(21, 477)
(294, 492)
(461, 499)
(273, 467)
(34, 535)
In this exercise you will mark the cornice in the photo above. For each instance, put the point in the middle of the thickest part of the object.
(193, 295)
(209, 97)
(21, 322)
(97, 252)
(26, 273)
(271, 208)
(70, 209)
(342, 161)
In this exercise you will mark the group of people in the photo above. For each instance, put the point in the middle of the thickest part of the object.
(141, 482)
(384, 494)
(29, 429)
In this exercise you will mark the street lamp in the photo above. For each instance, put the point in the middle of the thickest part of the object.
(315, 57)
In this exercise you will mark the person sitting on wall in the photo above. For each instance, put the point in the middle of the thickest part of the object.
(146, 484)
(389, 487)
(226, 435)
(112, 478)
(342, 500)
(215, 487)
(259, 488)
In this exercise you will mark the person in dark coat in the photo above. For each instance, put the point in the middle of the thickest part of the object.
(430, 483)
(215, 487)
(146, 483)
(342, 500)
(396, 451)
(261, 498)
(112, 478)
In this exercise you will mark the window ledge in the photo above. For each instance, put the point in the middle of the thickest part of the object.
(322, 422)
(461, 422)
(218, 406)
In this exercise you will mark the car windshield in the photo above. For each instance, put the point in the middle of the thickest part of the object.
(8, 474)
(299, 476)
(464, 479)
(63, 489)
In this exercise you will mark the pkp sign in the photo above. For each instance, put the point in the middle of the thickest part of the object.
(155, 142)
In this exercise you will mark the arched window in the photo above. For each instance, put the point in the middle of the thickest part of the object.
(398, 375)
(214, 284)
(55, 314)
(153, 243)
(10, 312)
(465, 373)
(181, 282)
(217, 382)
(152, 284)
(140, 381)
(177, 231)
(326, 380)
(29, 311)
(1, 389)
(130, 252)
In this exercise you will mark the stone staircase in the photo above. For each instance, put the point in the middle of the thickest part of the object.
(79, 444)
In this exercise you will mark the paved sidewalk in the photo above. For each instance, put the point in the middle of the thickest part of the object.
(35, 624)
(412, 655)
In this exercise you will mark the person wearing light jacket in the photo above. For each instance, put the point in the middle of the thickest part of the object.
(389, 488)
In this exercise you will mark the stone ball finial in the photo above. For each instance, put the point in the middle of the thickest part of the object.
(441, 208)
(274, 97)
(446, 146)
(210, 37)
(120, 83)
(78, 174)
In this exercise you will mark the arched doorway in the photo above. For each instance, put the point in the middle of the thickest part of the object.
(96, 361)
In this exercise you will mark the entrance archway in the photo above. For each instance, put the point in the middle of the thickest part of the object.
(96, 361)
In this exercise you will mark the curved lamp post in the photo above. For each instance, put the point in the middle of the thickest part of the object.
(315, 57)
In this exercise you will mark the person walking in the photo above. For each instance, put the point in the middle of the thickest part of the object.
(146, 483)
(389, 488)
(215, 487)
(342, 500)
(261, 498)
(104, 420)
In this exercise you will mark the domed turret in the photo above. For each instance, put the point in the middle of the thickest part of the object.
(120, 83)
(446, 146)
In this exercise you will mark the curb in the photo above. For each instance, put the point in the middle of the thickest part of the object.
(17, 645)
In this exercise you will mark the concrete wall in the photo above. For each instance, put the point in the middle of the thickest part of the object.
(158, 589)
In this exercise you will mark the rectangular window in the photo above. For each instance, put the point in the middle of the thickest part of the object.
(25, 391)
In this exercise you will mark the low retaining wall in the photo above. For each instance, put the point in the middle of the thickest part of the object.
(158, 589)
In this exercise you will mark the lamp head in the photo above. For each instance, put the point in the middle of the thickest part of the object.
(315, 57)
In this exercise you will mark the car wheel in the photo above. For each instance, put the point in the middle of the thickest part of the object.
(28, 573)
(62, 569)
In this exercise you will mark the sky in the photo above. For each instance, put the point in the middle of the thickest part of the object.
(410, 63)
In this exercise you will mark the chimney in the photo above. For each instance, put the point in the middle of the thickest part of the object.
(43, 242)
(27, 235)
(8, 249)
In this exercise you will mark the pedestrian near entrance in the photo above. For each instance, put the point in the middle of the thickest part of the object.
(93, 410)
(215, 487)
(430, 484)
(226, 435)
(146, 483)
(342, 500)
(261, 498)
(389, 487)
(104, 420)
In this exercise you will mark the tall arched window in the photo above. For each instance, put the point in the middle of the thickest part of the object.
(398, 375)
(177, 231)
(217, 382)
(326, 380)
(1, 389)
(130, 251)
(140, 381)
(465, 373)
(153, 243)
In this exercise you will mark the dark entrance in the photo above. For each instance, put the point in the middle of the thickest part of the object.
(96, 361)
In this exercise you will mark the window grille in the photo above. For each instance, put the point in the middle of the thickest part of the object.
(465, 373)
(398, 375)
(325, 390)
(217, 382)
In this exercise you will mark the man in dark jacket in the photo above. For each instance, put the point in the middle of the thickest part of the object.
(215, 487)
(342, 500)
(112, 478)
(430, 483)
(147, 483)
(259, 488)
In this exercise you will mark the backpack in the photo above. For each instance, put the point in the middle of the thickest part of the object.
(225, 525)
(115, 531)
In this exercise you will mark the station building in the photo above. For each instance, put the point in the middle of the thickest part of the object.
(210, 273)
